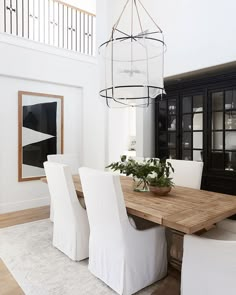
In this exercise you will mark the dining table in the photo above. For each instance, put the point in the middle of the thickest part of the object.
(182, 211)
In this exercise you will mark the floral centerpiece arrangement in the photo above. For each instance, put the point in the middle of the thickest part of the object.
(147, 173)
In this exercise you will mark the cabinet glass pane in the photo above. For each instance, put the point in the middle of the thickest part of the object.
(217, 101)
(230, 140)
(172, 154)
(187, 104)
(230, 99)
(217, 140)
(163, 154)
(172, 140)
(197, 103)
(172, 107)
(172, 123)
(230, 120)
(197, 121)
(197, 140)
(186, 155)
(163, 105)
(187, 122)
(217, 160)
(197, 156)
(162, 118)
(163, 140)
(187, 140)
(162, 125)
(217, 121)
(230, 161)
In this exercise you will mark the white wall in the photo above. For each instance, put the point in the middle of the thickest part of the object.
(28, 66)
(198, 34)
(15, 195)
(118, 126)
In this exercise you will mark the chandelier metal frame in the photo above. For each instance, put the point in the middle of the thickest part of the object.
(109, 92)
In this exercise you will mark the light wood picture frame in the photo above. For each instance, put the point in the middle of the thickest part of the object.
(40, 132)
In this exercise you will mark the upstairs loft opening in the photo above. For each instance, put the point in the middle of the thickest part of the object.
(52, 22)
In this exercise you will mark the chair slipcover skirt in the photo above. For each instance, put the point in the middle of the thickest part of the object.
(71, 228)
(209, 264)
(124, 258)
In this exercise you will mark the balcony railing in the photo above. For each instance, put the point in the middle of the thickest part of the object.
(52, 22)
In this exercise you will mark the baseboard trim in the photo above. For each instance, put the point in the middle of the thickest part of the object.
(17, 206)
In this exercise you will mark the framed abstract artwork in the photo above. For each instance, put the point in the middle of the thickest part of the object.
(40, 132)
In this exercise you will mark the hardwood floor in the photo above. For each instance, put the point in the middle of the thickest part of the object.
(170, 285)
(8, 285)
(23, 216)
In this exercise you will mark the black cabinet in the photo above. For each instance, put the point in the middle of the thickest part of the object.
(197, 121)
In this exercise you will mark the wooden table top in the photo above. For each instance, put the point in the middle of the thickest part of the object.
(183, 209)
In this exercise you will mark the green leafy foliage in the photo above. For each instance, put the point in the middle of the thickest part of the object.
(152, 171)
(161, 174)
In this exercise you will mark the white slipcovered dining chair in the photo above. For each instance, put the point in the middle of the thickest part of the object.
(209, 263)
(187, 173)
(227, 224)
(72, 160)
(71, 228)
(126, 259)
(142, 159)
(138, 159)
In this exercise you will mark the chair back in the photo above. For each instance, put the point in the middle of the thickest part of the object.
(142, 159)
(138, 159)
(62, 191)
(187, 173)
(104, 202)
(72, 160)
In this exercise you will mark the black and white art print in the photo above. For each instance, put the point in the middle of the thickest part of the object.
(40, 132)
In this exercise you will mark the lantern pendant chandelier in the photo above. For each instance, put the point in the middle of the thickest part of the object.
(134, 59)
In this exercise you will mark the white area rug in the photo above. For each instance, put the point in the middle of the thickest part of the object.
(41, 269)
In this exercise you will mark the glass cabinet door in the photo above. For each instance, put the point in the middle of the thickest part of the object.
(223, 130)
(167, 128)
(192, 127)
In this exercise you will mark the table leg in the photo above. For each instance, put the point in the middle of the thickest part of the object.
(170, 285)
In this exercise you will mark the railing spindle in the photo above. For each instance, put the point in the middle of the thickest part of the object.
(88, 33)
(53, 21)
(80, 32)
(76, 29)
(23, 18)
(58, 25)
(5, 17)
(67, 28)
(83, 33)
(91, 35)
(16, 17)
(10, 16)
(39, 21)
(33, 16)
(72, 28)
(50, 21)
(49, 27)
(28, 19)
(63, 26)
